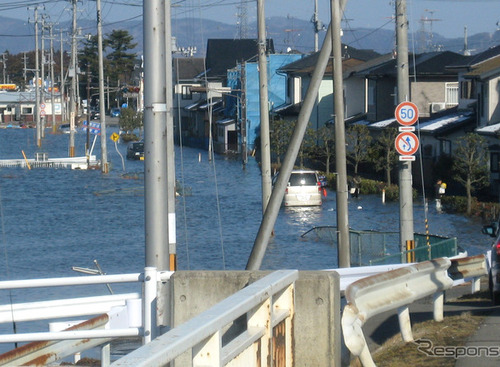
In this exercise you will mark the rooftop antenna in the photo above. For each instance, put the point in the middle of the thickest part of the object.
(466, 49)
(428, 33)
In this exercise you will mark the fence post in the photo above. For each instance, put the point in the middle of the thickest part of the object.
(438, 302)
(405, 324)
(149, 309)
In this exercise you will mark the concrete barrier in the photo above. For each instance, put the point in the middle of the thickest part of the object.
(316, 340)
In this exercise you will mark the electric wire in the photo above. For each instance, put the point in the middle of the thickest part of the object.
(212, 162)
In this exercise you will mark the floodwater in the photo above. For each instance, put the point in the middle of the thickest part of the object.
(53, 219)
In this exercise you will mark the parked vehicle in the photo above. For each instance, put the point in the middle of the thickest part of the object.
(494, 272)
(135, 150)
(304, 189)
(115, 112)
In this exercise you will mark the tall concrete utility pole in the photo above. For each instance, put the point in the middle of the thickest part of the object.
(171, 224)
(102, 106)
(62, 87)
(155, 135)
(405, 174)
(265, 144)
(42, 90)
(344, 250)
(52, 80)
(37, 76)
(72, 100)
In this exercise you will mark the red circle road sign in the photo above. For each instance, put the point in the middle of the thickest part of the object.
(406, 143)
(406, 113)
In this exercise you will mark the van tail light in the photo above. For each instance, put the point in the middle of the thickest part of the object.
(286, 190)
(497, 247)
(320, 189)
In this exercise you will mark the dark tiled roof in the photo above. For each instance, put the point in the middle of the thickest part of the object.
(188, 67)
(224, 54)
(431, 64)
(307, 64)
(470, 61)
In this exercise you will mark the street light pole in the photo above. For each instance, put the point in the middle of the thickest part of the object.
(102, 107)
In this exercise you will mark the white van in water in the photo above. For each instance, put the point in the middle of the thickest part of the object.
(304, 189)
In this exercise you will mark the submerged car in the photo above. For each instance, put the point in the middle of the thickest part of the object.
(135, 150)
(494, 259)
(304, 189)
(115, 112)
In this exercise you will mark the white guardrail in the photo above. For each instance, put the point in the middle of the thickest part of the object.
(118, 316)
(398, 288)
(269, 305)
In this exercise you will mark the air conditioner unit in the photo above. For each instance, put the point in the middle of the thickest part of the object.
(437, 106)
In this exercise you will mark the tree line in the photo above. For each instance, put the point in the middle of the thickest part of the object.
(468, 166)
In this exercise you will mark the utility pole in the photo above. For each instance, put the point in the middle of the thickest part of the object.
(25, 60)
(37, 101)
(318, 26)
(102, 107)
(52, 80)
(264, 108)
(62, 87)
(405, 174)
(42, 94)
(72, 116)
(4, 62)
(171, 227)
(344, 250)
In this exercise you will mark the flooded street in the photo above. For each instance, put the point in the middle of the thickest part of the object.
(53, 219)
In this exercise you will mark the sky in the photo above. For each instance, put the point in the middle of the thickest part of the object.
(446, 17)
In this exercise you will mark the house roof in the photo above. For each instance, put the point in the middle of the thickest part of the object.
(425, 64)
(489, 130)
(470, 61)
(224, 54)
(485, 69)
(351, 57)
(188, 67)
(447, 122)
(16, 97)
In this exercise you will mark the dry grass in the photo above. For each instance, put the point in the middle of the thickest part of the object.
(453, 331)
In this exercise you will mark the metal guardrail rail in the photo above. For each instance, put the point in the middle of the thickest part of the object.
(53, 345)
(398, 288)
(269, 306)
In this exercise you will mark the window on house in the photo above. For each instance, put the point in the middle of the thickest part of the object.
(27, 110)
(186, 92)
(451, 96)
(371, 92)
(427, 150)
(494, 162)
(445, 147)
(467, 89)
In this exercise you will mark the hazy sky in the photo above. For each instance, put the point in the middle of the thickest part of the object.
(449, 17)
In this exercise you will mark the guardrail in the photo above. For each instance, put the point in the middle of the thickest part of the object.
(269, 306)
(398, 288)
(123, 316)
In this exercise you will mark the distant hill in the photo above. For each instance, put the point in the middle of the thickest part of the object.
(17, 36)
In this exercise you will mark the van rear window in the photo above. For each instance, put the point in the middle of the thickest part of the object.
(301, 179)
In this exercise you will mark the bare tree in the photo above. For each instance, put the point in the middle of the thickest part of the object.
(358, 141)
(326, 145)
(471, 164)
(383, 152)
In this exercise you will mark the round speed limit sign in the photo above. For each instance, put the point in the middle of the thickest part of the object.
(406, 113)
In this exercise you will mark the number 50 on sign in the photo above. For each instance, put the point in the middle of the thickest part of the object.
(406, 113)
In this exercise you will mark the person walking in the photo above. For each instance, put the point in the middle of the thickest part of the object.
(440, 189)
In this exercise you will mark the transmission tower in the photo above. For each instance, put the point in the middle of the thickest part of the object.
(242, 22)
(427, 32)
